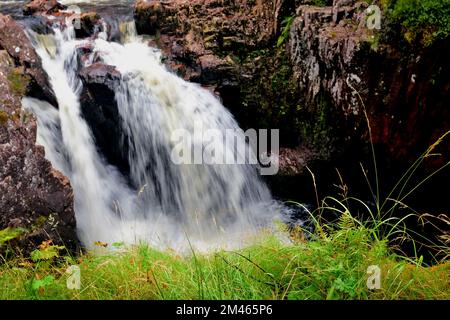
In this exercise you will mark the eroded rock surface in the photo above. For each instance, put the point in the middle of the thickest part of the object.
(334, 53)
(202, 35)
(101, 112)
(43, 7)
(15, 42)
(86, 24)
(33, 195)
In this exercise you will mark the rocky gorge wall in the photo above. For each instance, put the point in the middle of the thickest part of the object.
(36, 201)
(312, 71)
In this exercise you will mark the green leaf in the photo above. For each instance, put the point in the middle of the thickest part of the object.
(10, 234)
(46, 254)
(37, 284)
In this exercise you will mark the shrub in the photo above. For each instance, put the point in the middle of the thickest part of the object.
(423, 21)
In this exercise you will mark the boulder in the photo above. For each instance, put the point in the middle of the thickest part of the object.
(42, 7)
(100, 73)
(89, 24)
(14, 40)
(100, 110)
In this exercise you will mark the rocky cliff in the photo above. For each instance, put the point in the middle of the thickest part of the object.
(403, 89)
(327, 67)
(35, 199)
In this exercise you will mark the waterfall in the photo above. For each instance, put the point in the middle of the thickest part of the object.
(167, 205)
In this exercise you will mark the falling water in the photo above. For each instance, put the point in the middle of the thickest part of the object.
(167, 205)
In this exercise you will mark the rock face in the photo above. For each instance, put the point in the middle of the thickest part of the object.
(33, 195)
(198, 37)
(221, 24)
(89, 24)
(43, 7)
(86, 24)
(228, 47)
(335, 54)
(316, 83)
(14, 41)
(100, 110)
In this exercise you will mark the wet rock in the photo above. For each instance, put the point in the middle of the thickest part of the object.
(199, 34)
(148, 15)
(33, 195)
(42, 7)
(215, 69)
(90, 24)
(86, 24)
(294, 161)
(100, 110)
(14, 40)
(99, 73)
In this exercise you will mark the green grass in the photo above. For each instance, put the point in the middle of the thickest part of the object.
(333, 266)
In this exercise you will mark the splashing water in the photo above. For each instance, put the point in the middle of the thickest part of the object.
(170, 205)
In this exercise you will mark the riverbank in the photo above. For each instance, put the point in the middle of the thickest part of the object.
(333, 266)
(355, 107)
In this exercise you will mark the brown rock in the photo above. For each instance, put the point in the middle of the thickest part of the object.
(42, 7)
(89, 24)
(14, 40)
(148, 15)
(33, 195)
(336, 55)
(100, 73)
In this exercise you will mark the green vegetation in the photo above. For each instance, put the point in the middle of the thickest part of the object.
(331, 266)
(318, 130)
(423, 21)
(286, 29)
(270, 99)
(331, 262)
(18, 82)
(321, 3)
(9, 234)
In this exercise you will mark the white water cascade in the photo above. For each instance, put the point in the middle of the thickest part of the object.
(170, 205)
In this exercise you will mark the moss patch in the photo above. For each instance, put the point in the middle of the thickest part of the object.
(423, 21)
(18, 81)
(3, 117)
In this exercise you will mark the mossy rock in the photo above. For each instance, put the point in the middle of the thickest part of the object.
(3, 117)
(18, 81)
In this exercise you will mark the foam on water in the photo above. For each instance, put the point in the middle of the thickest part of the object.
(168, 205)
